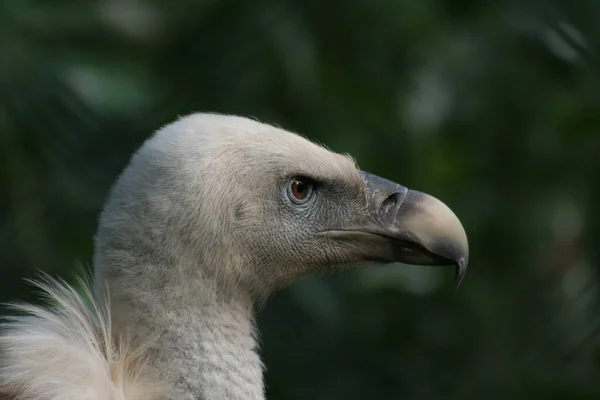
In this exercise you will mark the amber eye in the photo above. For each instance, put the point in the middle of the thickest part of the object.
(300, 189)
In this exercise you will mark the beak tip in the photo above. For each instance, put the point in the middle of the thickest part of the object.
(461, 270)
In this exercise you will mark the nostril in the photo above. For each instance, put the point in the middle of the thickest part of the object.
(391, 204)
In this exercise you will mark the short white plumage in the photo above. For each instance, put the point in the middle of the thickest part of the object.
(211, 216)
(65, 351)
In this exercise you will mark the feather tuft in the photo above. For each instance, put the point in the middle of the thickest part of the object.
(66, 350)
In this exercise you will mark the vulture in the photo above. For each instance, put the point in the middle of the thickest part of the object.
(211, 216)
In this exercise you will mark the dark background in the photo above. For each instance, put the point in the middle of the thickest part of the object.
(492, 106)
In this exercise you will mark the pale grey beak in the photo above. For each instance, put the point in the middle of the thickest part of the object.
(406, 226)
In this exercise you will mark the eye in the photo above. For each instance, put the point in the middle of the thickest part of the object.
(300, 190)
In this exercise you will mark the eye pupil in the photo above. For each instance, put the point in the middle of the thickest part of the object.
(299, 189)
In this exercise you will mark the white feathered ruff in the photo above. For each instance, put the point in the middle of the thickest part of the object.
(66, 351)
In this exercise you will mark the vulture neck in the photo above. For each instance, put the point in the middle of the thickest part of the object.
(204, 341)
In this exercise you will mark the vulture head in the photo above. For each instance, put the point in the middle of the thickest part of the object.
(212, 215)
(250, 207)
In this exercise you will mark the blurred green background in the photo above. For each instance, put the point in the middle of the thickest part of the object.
(492, 106)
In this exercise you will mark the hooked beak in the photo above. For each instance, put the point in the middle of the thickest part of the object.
(406, 226)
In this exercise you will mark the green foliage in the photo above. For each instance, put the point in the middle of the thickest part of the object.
(492, 106)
